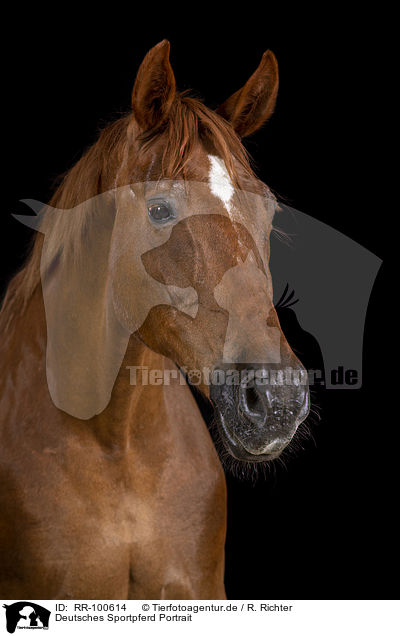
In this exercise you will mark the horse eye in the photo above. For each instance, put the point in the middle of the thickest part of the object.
(160, 212)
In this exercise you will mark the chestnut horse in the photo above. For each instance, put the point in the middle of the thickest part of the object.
(126, 497)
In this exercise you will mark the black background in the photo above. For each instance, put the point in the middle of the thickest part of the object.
(322, 527)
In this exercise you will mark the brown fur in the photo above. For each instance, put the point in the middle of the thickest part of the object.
(131, 503)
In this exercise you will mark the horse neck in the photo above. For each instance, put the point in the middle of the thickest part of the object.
(136, 402)
(132, 403)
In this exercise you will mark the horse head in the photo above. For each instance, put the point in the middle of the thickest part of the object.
(179, 253)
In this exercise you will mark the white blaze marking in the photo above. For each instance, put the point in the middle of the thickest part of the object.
(219, 181)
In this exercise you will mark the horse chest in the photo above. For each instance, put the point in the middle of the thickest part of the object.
(94, 533)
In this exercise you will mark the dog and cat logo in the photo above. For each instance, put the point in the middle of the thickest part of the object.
(26, 615)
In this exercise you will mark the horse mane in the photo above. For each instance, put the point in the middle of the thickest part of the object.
(82, 182)
(189, 122)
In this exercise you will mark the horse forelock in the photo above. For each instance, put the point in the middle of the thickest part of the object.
(192, 124)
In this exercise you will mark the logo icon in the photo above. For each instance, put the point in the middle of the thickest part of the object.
(26, 615)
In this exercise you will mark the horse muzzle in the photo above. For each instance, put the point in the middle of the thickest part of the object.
(257, 419)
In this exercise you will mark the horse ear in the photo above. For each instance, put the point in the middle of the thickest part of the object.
(154, 89)
(251, 106)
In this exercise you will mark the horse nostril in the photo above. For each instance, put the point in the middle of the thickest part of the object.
(251, 403)
(273, 405)
(252, 397)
